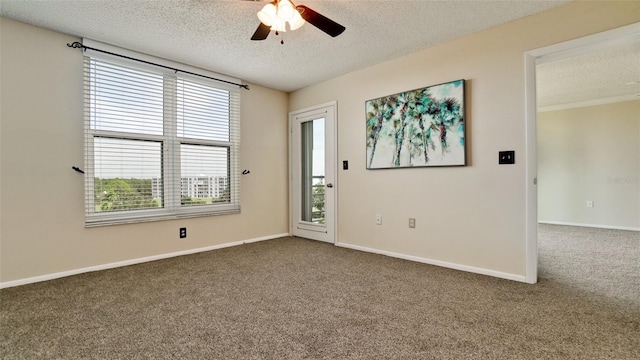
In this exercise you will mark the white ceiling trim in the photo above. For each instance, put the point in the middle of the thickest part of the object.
(579, 104)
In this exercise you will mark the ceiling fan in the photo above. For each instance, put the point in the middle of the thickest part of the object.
(278, 13)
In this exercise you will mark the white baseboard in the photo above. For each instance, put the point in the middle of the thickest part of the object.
(57, 275)
(589, 225)
(472, 269)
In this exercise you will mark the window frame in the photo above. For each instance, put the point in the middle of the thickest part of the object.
(170, 145)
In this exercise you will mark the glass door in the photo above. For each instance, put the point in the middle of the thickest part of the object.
(312, 177)
(313, 173)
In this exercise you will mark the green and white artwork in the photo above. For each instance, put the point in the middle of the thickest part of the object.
(423, 127)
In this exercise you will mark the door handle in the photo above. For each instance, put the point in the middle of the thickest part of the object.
(329, 185)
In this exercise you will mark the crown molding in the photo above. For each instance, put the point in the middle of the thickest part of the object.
(579, 104)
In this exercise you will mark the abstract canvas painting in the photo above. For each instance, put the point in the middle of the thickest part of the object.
(417, 128)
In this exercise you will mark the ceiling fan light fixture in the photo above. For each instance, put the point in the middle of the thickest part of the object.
(278, 25)
(278, 14)
(285, 10)
(268, 14)
(296, 21)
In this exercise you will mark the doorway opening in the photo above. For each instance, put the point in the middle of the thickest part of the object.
(570, 49)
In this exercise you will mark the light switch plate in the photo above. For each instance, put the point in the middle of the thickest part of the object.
(506, 157)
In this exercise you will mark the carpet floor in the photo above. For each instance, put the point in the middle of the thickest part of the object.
(291, 298)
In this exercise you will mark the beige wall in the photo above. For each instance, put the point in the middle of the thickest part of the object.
(590, 153)
(42, 225)
(472, 216)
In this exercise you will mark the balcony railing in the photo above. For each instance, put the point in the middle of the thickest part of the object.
(317, 204)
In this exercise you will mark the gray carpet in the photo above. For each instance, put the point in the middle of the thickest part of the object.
(597, 261)
(298, 299)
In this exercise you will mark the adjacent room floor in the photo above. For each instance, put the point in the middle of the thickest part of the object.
(600, 261)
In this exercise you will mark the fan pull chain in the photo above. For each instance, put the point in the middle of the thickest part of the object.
(281, 40)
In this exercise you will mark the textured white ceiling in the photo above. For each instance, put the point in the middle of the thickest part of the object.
(605, 75)
(215, 35)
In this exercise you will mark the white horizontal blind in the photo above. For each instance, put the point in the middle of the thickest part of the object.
(158, 145)
(207, 141)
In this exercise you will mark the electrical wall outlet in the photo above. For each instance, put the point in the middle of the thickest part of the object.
(412, 223)
(378, 219)
(589, 203)
(183, 233)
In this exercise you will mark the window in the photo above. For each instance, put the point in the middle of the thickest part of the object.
(159, 145)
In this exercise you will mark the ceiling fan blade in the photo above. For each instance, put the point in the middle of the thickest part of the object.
(320, 21)
(261, 32)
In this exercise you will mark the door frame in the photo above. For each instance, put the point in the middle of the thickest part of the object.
(550, 53)
(330, 152)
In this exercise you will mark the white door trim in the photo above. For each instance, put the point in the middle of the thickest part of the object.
(550, 53)
(330, 153)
